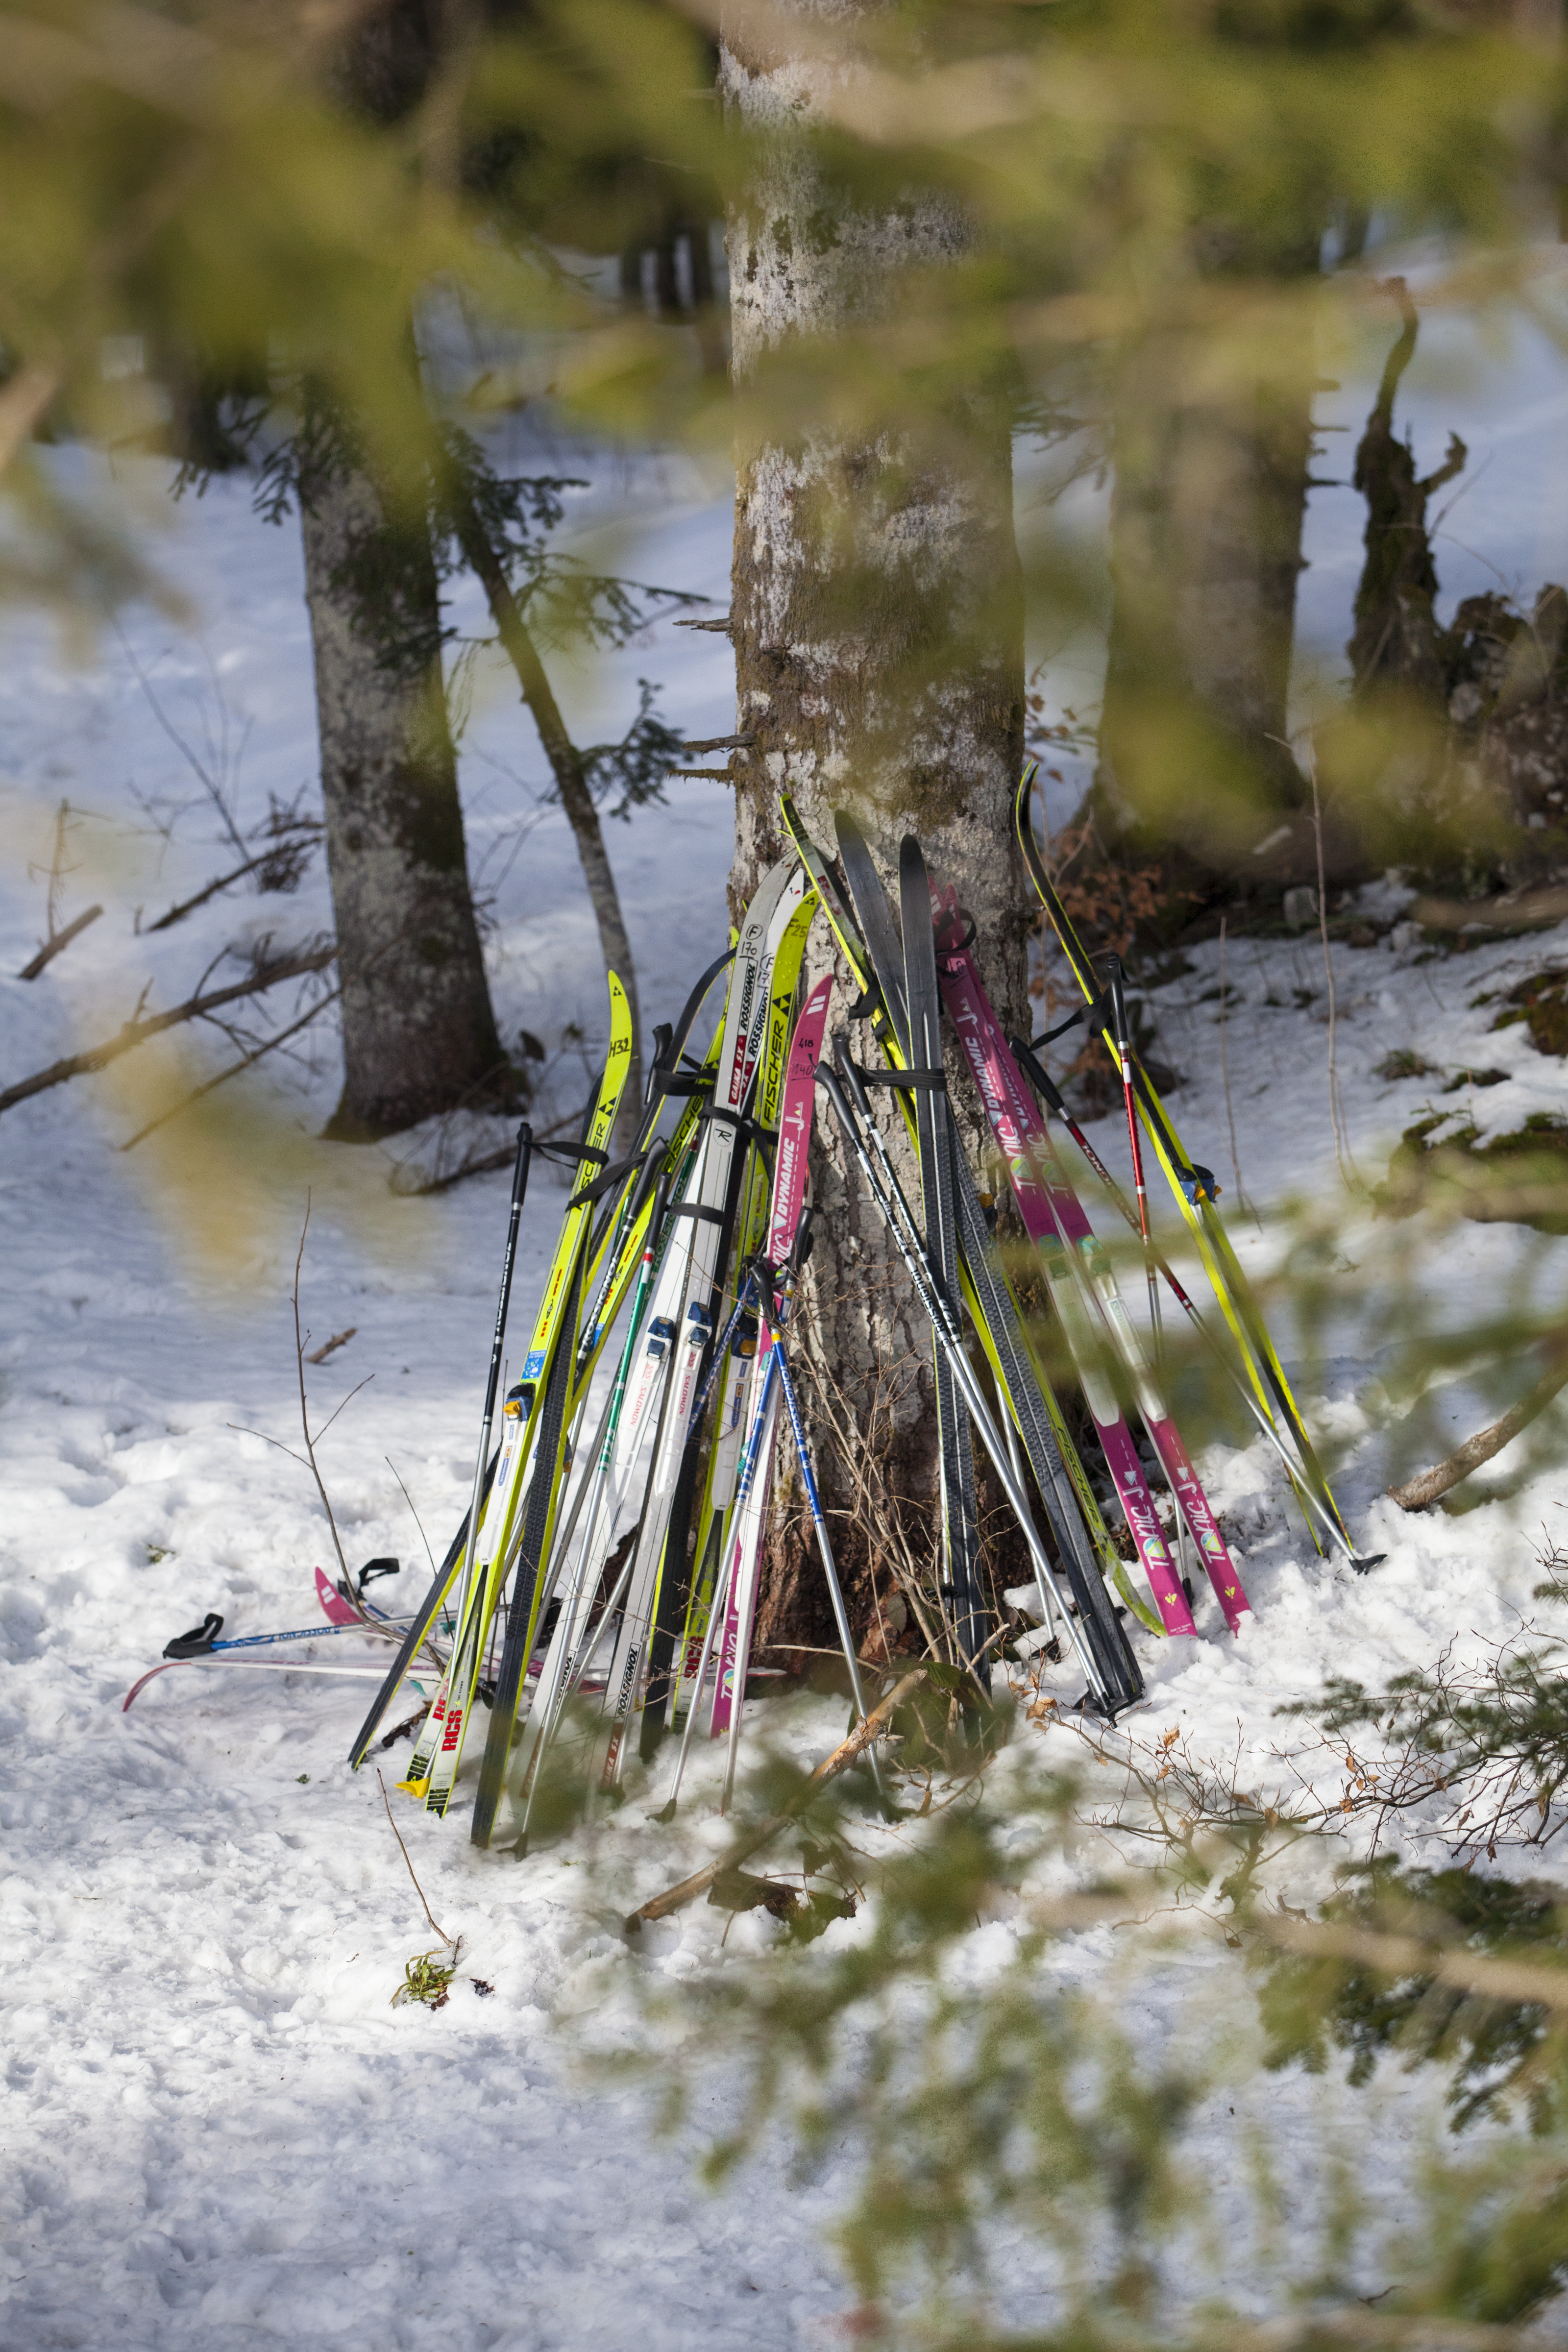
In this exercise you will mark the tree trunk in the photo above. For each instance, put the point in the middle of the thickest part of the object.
(571, 781)
(419, 1035)
(1394, 643)
(1206, 548)
(877, 618)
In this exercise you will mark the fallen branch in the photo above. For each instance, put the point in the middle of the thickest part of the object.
(339, 1339)
(675, 1899)
(1417, 1493)
(233, 1069)
(58, 940)
(1515, 910)
(136, 1033)
(488, 1162)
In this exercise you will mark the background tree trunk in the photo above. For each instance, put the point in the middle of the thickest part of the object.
(1394, 643)
(566, 765)
(878, 622)
(419, 1035)
(1206, 547)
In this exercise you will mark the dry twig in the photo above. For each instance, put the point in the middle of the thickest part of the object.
(675, 1899)
(136, 1031)
(57, 942)
(247, 1061)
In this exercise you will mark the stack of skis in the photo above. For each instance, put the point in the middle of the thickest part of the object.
(601, 1591)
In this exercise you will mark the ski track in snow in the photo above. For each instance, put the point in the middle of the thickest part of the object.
(220, 2131)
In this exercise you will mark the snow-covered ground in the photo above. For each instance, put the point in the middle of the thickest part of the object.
(220, 2132)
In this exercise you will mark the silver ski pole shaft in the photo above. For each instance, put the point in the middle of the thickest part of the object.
(940, 1314)
(715, 1612)
(824, 1542)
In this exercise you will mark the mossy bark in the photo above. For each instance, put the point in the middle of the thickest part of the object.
(877, 619)
(419, 1035)
(1212, 449)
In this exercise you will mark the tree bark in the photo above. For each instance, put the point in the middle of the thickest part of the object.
(419, 1035)
(1206, 548)
(876, 616)
(567, 766)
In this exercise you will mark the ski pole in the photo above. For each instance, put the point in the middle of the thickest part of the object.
(1051, 1095)
(202, 1642)
(1115, 981)
(518, 1191)
(1114, 976)
(819, 1520)
(758, 1464)
(939, 1313)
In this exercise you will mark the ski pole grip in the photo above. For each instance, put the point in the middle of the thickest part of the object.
(199, 1640)
(846, 1072)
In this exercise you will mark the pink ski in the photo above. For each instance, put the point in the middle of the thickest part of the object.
(1055, 1220)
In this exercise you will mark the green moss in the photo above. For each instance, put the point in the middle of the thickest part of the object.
(1541, 1002)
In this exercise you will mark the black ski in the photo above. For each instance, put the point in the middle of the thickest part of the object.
(1114, 1657)
(961, 1596)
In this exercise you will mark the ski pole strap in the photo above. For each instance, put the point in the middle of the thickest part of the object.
(741, 1120)
(906, 1081)
(199, 1640)
(570, 1154)
(949, 946)
(1097, 1011)
(611, 1175)
(1038, 1075)
(680, 1082)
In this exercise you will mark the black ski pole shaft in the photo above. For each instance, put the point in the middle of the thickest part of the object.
(498, 1349)
(939, 1317)
(1114, 978)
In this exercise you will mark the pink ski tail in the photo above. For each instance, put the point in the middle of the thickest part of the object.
(334, 1608)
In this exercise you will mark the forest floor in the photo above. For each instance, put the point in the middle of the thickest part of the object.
(221, 2132)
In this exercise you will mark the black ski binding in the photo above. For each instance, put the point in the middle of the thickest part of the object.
(199, 1640)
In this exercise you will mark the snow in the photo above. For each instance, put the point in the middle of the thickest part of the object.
(221, 2131)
